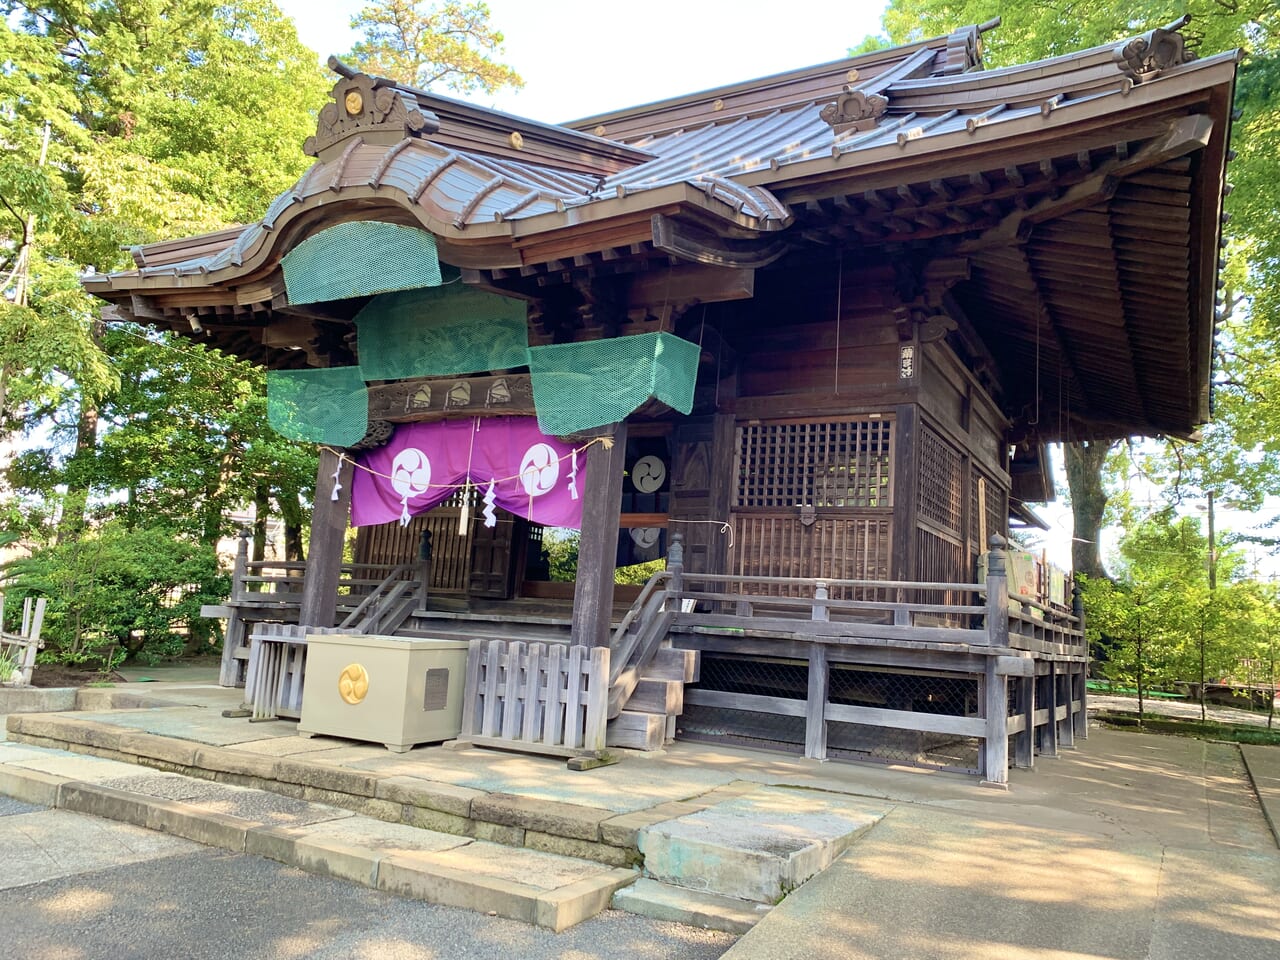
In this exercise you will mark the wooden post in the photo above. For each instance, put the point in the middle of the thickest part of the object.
(821, 613)
(995, 740)
(1049, 733)
(997, 594)
(1067, 726)
(229, 673)
(1025, 742)
(424, 568)
(1082, 717)
(995, 688)
(598, 548)
(815, 718)
(328, 535)
(675, 566)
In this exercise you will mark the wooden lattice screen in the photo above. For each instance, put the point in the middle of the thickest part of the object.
(941, 487)
(390, 544)
(825, 463)
(814, 499)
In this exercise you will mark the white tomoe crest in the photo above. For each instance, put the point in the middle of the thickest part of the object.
(539, 469)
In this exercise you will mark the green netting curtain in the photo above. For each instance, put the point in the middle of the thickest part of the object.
(577, 386)
(328, 405)
(441, 332)
(359, 259)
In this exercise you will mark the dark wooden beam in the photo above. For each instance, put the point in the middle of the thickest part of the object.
(436, 398)
(328, 535)
(598, 547)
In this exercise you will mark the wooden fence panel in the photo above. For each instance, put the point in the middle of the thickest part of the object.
(537, 698)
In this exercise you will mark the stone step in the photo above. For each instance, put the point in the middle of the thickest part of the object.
(662, 901)
(545, 889)
(634, 730)
(759, 846)
(576, 830)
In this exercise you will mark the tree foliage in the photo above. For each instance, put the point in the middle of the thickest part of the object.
(165, 118)
(450, 44)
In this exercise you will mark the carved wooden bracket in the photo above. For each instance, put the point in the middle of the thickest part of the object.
(410, 401)
(1143, 58)
(855, 109)
(374, 108)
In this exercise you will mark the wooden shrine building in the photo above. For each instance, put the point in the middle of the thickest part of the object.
(891, 281)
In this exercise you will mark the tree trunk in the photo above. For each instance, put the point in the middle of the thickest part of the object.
(1084, 462)
(294, 523)
(80, 474)
(261, 512)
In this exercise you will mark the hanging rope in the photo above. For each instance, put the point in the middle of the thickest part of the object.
(606, 442)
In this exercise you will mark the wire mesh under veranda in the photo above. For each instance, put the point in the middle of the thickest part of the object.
(956, 695)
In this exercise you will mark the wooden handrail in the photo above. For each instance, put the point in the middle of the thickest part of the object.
(378, 594)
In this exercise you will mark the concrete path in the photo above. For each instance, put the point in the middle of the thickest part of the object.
(1182, 709)
(90, 889)
(1136, 846)
(1263, 764)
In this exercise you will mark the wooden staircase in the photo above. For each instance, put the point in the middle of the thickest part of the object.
(647, 676)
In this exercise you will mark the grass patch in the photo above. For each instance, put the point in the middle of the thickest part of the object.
(1210, 730)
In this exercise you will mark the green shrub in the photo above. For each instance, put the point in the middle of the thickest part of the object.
(116, 593)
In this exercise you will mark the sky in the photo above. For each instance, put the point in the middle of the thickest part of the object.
(581, 58)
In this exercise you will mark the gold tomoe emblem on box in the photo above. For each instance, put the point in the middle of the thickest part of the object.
(353, 683)
(353, 102)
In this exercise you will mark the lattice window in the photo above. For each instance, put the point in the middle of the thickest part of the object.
(997, 510)
(941, 481)
(832, 463)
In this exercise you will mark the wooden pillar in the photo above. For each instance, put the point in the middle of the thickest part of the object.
(815, 718)
(229, 674)
(598, 548)
(995, 740)
(1067, 726)
(1082, 717)
(1025, 742)
(906, 479)
(995, 697)
(328, 535)
(1049, 733)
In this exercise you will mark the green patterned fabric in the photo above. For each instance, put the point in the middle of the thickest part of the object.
(327, 405)
(577, 386)
(359, 259)
(441, 332)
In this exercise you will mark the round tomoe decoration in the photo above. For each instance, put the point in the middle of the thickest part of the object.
(539, 469)
(410, 477)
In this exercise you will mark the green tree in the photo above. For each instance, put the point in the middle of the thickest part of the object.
(449, 44)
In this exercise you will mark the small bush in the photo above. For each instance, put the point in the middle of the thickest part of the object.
(116, 593)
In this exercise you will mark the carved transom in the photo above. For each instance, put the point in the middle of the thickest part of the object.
(368, 105)
(855, 109)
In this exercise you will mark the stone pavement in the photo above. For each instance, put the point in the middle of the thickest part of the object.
(1135, 845)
